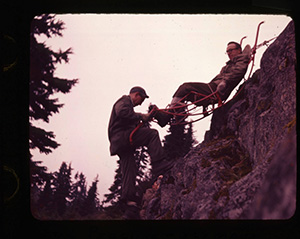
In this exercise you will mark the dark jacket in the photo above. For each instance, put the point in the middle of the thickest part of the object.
(122, 121)
(232, 73)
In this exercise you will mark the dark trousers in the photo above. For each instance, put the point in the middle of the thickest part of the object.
(142, 137)
(198, 87)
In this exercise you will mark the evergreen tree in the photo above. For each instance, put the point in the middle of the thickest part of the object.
(62, 191)
(40, 179)
(38, 174)
(91, 203)
(79, 193)
(115, 189)
(179, 141)
(174, 142)
(46, 196)
(190, 141)
(56, 195)
(43, 84)
(143, 175)
(142, 160)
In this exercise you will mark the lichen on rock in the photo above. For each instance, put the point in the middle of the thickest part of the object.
(243, 162)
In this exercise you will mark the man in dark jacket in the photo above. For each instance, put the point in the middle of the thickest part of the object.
(123, 121)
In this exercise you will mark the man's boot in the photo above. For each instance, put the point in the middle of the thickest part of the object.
(162, 118)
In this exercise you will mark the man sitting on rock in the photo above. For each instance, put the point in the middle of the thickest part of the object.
(123, 121)
(229, 77)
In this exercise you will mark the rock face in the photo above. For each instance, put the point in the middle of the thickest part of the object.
(246, 166)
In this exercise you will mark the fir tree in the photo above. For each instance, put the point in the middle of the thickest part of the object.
(91, 203)
(45, 201)
(115, 189)
(179, 140)
(79, 193)
(190, 141)
(38, 174)
(59, 197)
(62, 190)
(39, 184)
(42, 104)
(43, 84)
(143, 175)
(174, 142)
(142, 160)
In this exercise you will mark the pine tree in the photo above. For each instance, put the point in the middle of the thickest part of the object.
(190, 141)
(115, 189)
(174, 142)
(179, 141)
(142, 160)
(46, 196)
(79, 193)
(39, 183)
(62, 190)
(43, 84)
(143, 176)
(38, 174)
(42, 87)
(91, 203)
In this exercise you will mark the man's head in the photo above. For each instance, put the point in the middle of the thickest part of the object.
(138, 95)
(233, 49)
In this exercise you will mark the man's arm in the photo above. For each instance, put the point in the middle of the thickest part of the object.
(124, 110)
(236, 72)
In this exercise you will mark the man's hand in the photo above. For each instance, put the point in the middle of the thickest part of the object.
(145, 117)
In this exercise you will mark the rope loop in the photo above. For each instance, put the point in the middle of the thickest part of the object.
(174, 110)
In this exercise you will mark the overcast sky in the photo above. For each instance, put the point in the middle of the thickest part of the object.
(114, 52)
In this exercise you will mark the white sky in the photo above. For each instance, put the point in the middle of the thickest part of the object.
(114, 52)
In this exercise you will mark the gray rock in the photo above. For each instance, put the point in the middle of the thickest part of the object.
(276, 199)
(246, 166)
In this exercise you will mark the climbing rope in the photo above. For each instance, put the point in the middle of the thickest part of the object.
(151, 113)
(214, 94)
(186, 112)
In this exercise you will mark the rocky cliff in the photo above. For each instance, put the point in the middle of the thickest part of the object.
(246, 166)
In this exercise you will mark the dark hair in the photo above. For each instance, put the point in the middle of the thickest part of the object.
(238, 46)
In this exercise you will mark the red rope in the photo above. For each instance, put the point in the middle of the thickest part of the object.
(133, 131)
(152, 112)
(172, 110)
(220, 103)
